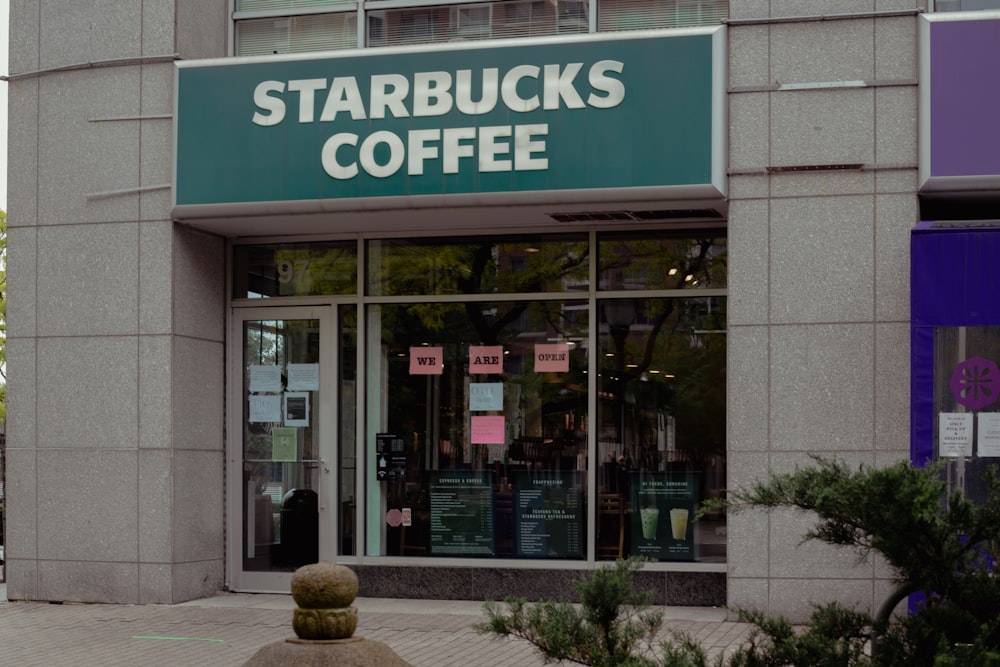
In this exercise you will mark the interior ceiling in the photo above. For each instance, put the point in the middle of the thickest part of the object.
(260, 221)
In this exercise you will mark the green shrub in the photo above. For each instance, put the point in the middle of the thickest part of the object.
(613, 625)
(941, 544)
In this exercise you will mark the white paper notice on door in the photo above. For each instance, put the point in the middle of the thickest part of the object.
(988, 442)
(264, 378)
(954, 434)
(265, 408)
(485, 396)
(303, 377)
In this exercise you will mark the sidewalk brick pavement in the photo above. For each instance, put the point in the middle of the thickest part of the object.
(226, 630)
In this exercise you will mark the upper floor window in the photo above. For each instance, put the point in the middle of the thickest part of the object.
(264, 27)
(477, 21)
(266, 5)
(420, 25)
(616, 15)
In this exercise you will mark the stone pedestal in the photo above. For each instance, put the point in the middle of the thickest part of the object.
(351, 652)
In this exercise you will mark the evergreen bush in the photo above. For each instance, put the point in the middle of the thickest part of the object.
(941, 545)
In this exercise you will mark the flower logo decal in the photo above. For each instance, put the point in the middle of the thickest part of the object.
(975, 383)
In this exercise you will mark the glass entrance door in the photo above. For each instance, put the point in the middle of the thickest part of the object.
(284, 456)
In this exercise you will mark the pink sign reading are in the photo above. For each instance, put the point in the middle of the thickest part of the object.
(487, 429)
(486, 359)
(426, 360)
(551, 357)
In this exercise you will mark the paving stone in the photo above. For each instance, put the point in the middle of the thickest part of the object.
(227, 630)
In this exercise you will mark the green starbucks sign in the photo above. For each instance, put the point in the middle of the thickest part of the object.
(541, 117)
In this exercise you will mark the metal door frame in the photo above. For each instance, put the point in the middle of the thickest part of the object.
(237, 578)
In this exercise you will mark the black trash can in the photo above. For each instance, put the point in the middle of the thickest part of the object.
(300, 527)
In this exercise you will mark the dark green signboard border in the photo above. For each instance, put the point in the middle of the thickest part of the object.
(665, 135)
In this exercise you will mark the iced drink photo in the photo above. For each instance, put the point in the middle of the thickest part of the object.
(649, 516)
(679, 522)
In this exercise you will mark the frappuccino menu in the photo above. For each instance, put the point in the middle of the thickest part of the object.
(548, 514)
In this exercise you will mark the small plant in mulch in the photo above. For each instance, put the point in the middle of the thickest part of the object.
(613, 626)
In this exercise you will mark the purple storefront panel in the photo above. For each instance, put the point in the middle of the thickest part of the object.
(954, 281)
(960, 101)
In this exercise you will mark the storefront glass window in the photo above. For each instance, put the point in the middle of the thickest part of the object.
(522, 265)
(661, 427)
(662, 396)
(967, 405)
(662, 261)
(347, 388)
(521, 400)
(295, 269)
(281, 454)
(482, 442)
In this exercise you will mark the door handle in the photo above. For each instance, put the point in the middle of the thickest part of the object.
(324, 466)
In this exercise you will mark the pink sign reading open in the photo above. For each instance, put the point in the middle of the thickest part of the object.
(552, 357)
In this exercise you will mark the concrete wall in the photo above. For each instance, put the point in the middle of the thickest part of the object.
(116, 315)
(818, 273)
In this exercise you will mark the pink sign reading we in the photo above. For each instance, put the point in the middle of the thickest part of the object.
(426, 360)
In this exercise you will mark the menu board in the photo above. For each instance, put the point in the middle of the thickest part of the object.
(461, 513)
(662, 517)
(390, 457)
(548, 514)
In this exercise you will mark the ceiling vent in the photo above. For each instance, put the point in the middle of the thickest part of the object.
(639, 216)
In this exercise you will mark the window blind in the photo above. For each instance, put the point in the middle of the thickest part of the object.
(613, 15)
(293, 34)
(482, 20)
(262, 5)
(450, 22)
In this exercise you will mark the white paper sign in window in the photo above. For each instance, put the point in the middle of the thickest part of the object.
(988, 442)
(265, 409)
(265, 378)
(297, 408)
(955, 434)
(303, 377)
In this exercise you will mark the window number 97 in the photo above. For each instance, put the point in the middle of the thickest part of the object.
(289, 270)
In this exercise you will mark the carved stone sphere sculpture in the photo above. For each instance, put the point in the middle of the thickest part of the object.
(324, 593)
